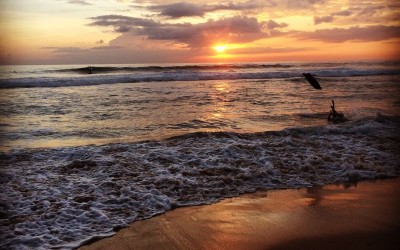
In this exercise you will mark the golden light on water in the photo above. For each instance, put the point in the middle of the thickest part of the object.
(221, 87)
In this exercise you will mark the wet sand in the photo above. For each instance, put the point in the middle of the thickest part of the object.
(365, 215)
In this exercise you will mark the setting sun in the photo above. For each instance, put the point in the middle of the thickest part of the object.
(220, 48)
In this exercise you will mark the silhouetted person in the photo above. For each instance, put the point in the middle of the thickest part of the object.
(333, 112)
(333, 115)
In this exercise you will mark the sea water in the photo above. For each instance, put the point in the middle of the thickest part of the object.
(85, 151)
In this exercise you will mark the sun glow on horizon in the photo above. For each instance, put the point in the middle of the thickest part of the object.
(220, 48)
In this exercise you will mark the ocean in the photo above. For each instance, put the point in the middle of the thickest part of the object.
(87, 150)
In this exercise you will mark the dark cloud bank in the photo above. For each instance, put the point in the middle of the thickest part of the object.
(237, 29)
(184, 9)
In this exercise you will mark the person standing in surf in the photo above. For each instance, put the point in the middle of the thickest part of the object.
(333, 112)
(333, 115)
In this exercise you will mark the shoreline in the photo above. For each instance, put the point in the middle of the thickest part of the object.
(363, 215)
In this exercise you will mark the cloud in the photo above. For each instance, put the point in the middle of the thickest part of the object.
(77, 50)
(236, 29)
(360, 34)
(184, 9)
(111, 47)
(374, 14)
(331, 17)
(268, 50)
(177, 10)
(188, 9)
(133, 52)
(79, 2)
(342, 13)
(248, 5)
(360, 13)
(122, 23)
(296, 4)
(66, 50)
(271, 24)
(323, 19)
(371, 10)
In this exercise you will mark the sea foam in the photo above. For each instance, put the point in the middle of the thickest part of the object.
(66, 196)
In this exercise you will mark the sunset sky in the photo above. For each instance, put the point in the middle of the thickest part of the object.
(165, 31)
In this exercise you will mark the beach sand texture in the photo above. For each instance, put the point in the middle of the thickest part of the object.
(364, 215)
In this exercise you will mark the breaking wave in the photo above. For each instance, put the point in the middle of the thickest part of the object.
(64, 197)
(84, 76)
(218, 67)
(101, 69)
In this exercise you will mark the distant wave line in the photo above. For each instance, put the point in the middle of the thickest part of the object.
(110, 69)
(201, 67)
(181, 76)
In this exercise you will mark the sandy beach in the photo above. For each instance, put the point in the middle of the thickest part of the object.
(364, 215)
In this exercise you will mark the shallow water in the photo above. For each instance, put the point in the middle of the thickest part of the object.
(101, 114)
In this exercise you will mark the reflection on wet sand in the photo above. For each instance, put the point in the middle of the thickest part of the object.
(360, 216)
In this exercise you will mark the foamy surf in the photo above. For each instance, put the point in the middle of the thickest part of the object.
(63, 197)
